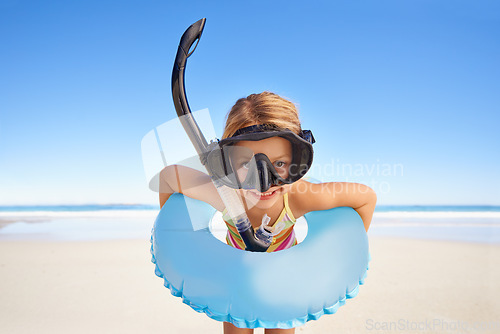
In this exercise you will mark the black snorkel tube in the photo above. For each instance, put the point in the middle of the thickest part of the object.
(255, 242)
(191, 35)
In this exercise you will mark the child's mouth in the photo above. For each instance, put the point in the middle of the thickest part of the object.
(264, 196)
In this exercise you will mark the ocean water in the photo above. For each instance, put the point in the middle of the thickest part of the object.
(105, 222)
(453, 223)
(77, 223)
(437, 208)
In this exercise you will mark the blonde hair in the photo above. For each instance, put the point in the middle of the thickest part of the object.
(263, 108)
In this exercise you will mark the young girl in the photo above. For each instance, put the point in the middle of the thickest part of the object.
(283, 204)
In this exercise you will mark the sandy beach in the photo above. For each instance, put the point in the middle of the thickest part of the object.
(110, 287)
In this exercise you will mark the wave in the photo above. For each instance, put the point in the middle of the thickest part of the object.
(437, 214)
(435, 224)
(78, 214)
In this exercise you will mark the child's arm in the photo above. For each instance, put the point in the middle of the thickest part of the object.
(324, 196)
(189, 182)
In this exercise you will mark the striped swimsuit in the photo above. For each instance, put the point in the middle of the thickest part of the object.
(285, 239)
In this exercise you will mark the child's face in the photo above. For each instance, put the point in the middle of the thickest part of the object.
(279, 152)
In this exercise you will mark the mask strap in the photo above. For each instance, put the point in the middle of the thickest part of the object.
(257, 128)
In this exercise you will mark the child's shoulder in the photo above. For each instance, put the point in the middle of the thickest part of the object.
(304, 196)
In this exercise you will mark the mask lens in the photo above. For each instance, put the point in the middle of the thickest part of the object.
(282, 167)
(241, 160)
(245, 165)
(236, 162)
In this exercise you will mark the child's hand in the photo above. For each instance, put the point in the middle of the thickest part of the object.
(189, 182)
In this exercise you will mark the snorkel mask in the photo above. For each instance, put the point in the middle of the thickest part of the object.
(239, 167)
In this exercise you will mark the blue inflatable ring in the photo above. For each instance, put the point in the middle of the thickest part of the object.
(282, 289)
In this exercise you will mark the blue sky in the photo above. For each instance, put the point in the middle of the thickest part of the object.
(402, 93)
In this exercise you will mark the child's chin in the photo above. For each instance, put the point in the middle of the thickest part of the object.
(262, 205)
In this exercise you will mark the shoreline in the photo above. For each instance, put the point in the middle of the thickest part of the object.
(138, 226)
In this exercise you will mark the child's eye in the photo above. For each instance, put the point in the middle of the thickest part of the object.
(280, 164)
(245, 165)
